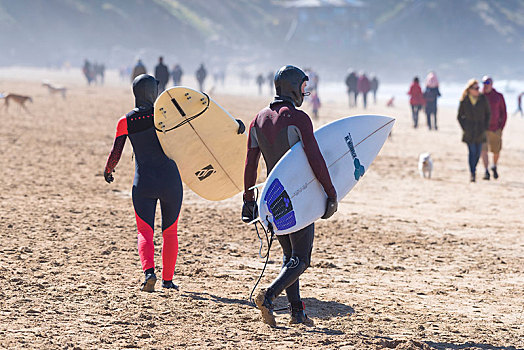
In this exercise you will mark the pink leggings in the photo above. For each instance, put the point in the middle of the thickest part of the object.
(146, 248)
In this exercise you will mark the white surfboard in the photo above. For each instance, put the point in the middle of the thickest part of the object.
(201, 137)
(292, 197)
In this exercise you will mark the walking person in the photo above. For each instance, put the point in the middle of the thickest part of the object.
(519, 105)
(315, 104)
(138, 69)
(201, 75)
(473, 116)
(374, 87)
(351, 84)
(417, 100)
(156, 179)
(273, 132)
(260, 81)
(496, 126)
(431, 95)
(161, 74)
(363, 87)
(177, 73)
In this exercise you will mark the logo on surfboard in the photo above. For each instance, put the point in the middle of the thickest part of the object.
(359, 168)
(205, 172)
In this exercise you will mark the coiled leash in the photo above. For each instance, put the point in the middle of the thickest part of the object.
(269, 241)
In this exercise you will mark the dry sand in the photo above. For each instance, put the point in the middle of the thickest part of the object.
(406, 263)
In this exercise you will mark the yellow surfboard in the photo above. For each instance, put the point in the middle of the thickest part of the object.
(201, 137)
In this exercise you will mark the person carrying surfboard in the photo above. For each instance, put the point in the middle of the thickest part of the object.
(273, 132)
(156, 178)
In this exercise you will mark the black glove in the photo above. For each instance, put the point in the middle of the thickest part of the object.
(241, 126)
(249, 211)
(108, 176)
(331, 208)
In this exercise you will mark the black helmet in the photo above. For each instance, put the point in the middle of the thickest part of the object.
(145, 88)
(288, 83)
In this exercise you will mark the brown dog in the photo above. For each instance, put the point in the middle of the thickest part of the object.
(20, 99)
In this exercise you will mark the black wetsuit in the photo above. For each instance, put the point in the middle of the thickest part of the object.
(156, 178)
(273, 132)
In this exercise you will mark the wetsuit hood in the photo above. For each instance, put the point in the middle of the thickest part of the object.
(145, 89)
(288, 84)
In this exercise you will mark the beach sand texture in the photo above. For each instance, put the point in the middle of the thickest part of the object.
(406, 263)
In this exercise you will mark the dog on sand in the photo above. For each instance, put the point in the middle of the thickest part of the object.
(425, 165)
(53, 89)
(19, 99)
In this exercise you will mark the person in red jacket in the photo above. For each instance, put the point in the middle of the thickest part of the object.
(363, 87)
(417, 100)
(496, 125)
(272, 133)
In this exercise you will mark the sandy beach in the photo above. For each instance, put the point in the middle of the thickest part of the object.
(406, 262)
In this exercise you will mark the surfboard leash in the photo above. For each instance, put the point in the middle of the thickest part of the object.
(269, 240)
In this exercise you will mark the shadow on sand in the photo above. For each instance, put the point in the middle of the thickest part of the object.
(469, 345)
(315, 308)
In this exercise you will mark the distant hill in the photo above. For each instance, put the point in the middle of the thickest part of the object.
(391, 37)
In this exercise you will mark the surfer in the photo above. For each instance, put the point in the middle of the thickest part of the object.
(156, 178)
(273, 132)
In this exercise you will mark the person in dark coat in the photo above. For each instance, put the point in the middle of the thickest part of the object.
(431, 94)
(351, 83)
(201, 75)
(473, 116)
(374, 87)
(177, 73)
(138, 70)
(161, 74)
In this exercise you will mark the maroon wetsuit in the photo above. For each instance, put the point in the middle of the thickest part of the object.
(273, 132)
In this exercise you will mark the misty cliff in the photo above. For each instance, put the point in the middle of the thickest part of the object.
(389, 37)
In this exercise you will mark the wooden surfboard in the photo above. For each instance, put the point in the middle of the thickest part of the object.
(201, 137)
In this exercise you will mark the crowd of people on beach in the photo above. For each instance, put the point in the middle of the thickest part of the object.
(94, 72)
(360, 84)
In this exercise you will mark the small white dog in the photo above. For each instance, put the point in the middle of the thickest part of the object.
(425, 165)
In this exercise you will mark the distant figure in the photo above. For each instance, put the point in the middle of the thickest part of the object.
(101, 72)
(260, 81)
(374, 87)
(269, 79)
(176, 73)
(390, 102)
(473, 116)
(351, 83)
(161, 74)
(431, 94)
(363, 87)
(87, 69)
(496, 125)
(315, 104)
(138, 69)
(313, 79)
(519, 105)
(416, 101)
(201, 75)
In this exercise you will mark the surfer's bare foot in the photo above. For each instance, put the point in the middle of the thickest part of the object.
(266, 308)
